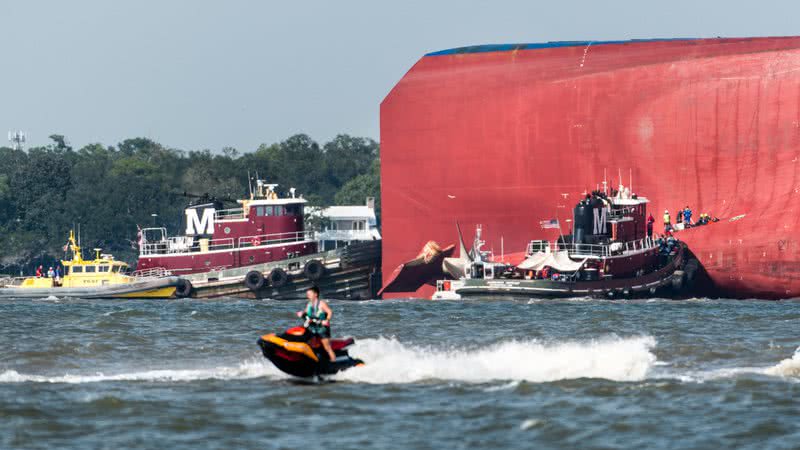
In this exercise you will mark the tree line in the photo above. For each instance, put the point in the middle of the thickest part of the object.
(109, 190)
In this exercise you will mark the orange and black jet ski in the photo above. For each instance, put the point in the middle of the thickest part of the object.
(299, 352)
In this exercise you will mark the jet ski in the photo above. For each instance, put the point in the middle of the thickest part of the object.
(299, 352)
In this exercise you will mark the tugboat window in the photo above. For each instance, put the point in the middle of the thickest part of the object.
(260, 211)
(294, 210)
(279, 210)
(103, 268)
(77, 269)
(90, 269)
(269, 210)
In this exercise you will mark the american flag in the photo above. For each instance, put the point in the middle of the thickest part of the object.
(552, 223)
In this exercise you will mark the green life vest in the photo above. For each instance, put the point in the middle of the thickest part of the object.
(315, 312)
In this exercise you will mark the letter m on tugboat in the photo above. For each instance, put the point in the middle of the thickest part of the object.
(600, 220)
(200, 224)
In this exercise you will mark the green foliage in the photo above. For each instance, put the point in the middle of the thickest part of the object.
(60, 141)
(45, 191)
(348, 157)
(368, 184)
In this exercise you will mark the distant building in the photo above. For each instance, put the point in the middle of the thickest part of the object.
(348, 224)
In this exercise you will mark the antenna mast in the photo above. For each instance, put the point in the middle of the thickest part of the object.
(17, 139)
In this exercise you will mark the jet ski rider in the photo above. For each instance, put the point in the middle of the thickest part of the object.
(319, 310)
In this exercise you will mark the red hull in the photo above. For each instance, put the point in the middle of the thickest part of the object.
(510, 137)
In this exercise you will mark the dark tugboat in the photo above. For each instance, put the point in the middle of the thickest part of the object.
(608, 254)
(261, 249)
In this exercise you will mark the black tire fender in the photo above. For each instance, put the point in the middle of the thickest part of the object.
(314, 269)
(184, 288)
(254, 280)
(678, 280)
(691, 271)
(278, 277)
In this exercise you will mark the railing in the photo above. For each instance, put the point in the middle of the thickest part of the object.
(11, 281)
(599, 250)
(345, 235)
(180, 245)
(229, 214)
(15, 281)
(155, 272)
(275, 238)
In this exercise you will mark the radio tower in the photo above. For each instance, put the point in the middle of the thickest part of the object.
(17, 139)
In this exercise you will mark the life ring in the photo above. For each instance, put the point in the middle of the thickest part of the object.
(256, 242)
(184, 288)
(278, 277)
(254, 280)
(314, 269)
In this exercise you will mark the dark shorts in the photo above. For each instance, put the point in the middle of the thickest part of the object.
(323, 332)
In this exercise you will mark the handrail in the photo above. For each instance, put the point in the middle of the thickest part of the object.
(154, 272)
(602, 250)
(180, 244)
(275, 238)
(342, 235)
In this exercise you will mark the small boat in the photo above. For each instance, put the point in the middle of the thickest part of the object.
(101, 277)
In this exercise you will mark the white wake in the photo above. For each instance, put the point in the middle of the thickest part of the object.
(253, 368)
(612, 358)
(787, 368)
(390, 361)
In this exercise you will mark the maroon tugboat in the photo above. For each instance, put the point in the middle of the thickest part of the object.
(608, 253)
(258, 249)
(264, 229)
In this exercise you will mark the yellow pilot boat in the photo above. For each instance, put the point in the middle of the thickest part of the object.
(101, 277)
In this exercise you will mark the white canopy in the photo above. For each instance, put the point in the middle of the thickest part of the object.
(559, 261)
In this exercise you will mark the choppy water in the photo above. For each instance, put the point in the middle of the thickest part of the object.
(447, 375)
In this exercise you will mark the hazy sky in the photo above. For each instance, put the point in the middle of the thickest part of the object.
(201, 74)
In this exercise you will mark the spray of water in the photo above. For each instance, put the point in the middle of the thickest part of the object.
(253, 368)
(619, 359)
(789, 367)
(390, 361)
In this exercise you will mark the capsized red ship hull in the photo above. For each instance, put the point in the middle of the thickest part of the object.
(508, 136)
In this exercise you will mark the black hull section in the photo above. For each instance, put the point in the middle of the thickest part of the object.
(351, 273)
(674, 280)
